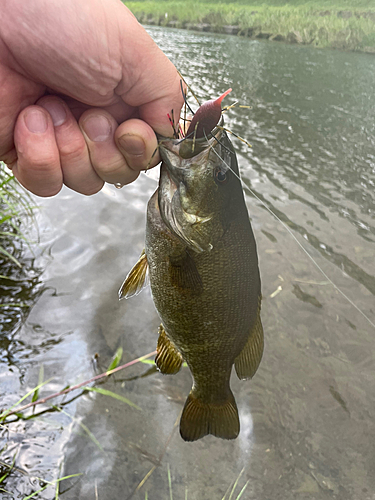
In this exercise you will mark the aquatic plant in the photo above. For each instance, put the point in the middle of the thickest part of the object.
(7, 469)
(15, 206)
(17, 413)
(19, 278)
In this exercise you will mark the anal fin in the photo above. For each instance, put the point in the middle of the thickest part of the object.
(248, 361)
(136, 280)
(168, 359)
(219, 419)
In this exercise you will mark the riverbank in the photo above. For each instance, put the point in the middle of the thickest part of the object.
(346, 28)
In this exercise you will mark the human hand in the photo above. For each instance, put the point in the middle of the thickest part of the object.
(82, 89)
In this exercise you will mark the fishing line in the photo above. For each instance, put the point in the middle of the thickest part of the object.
(184, 96)
(272, 213)
(297, 241)
(188, 86)
(221, 144)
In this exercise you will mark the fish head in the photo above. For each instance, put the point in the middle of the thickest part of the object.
(198, 193)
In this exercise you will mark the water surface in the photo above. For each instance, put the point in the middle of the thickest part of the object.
(307, 421)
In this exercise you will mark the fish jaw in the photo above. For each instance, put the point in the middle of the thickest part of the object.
(175, 204)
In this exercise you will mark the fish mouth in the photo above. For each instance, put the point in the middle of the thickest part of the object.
(172, 169)
(180, 222)
(178, 165)
(189, 147)
(167, 190)
(171, 186)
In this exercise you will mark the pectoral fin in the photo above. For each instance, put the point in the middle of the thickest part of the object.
(247, 362)
(168, 359)
(136, 280)
(184, 273)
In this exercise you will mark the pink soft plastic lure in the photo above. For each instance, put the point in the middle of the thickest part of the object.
(206, 118)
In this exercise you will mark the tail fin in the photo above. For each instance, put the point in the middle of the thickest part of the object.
(199, 418)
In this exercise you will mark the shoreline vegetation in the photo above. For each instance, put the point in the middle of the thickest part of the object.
(19, 278)
(348, 26)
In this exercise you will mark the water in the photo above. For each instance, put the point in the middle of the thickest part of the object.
(307, 417)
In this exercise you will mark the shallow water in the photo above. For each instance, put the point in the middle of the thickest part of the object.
(307, 423)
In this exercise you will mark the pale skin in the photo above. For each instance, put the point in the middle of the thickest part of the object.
(83, 89)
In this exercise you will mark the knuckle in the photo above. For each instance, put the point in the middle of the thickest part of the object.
(39, 165)
(9, 158)
(38, 155)
(73, 150)
(110, 166)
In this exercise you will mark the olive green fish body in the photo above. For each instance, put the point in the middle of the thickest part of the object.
(203, 268)
(208, 300)
(215, 314)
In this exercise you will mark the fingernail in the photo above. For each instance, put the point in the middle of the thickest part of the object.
(36, 121)
(132, 144)
(97, 128)
(57, 112)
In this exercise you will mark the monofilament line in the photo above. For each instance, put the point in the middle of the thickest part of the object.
(299, 244)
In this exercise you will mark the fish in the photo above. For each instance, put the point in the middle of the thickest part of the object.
(201, 258)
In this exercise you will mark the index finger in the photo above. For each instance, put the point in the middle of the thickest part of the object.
(156, 92)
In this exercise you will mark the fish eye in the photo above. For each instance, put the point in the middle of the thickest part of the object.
(220, 175)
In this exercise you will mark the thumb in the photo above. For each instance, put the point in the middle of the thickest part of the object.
(165, 109)
(156, 88)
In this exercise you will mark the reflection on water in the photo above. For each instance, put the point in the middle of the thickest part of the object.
(307, 417)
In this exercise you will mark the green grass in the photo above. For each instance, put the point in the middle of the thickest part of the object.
(15, 207)
(19, 279)
(348, 25)
(338, 5)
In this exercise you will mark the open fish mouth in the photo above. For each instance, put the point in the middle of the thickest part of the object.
(183, 224)
(188, 147)
(183, 188)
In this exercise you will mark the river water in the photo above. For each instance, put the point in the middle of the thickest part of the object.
(307, 417)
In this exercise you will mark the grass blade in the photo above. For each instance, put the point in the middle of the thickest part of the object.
(14, 304)
(152, 362)
(243, 489)
(51, 483)
(5, 413)
(235, 484)
(8, 277)
(170, 483)
(35, 493)
(106, 392)
(84, 427)
(9, 256)
(5, 491)
(40, 381)
(10, 468)
(116, 359)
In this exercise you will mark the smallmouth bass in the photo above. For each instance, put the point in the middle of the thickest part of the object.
(201, 256)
